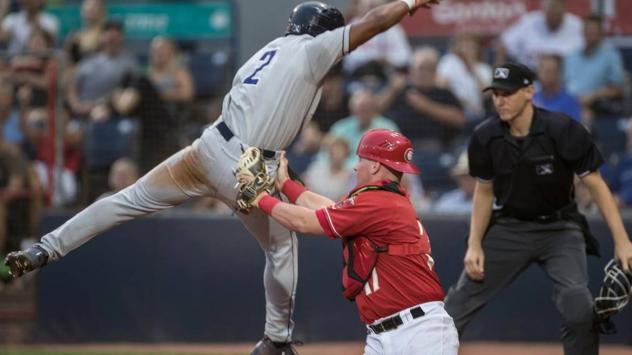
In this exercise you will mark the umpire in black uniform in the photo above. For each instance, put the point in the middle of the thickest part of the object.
(525, 159)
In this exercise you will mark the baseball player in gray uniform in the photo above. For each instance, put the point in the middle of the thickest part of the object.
(274, 95)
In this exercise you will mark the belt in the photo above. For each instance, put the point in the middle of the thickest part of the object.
(395, 321)
(228, 135)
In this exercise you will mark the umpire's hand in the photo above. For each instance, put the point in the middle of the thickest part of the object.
(475, 262)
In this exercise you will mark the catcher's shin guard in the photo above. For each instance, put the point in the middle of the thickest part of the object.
(23, 261)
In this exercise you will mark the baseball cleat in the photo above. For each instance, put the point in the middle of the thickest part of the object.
(267, 347)
(23, 261)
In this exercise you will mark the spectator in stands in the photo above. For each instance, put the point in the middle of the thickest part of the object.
(29, 70)
(364, 116)
(595, 73)
(331, 177)
(551, 30)
(458, 201)
(551, 94)
(85, 41)
(390, 47)
(428, 115)
(15, 179)
(123, 173)
(34, 123)
(172, 79)
(622, 184)
(17, 27)
(99, 75)
(305, 148)
(334, 102)
(137, 97)
(465, 74)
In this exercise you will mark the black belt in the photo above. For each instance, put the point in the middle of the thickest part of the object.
(395, 321)
(228, 134)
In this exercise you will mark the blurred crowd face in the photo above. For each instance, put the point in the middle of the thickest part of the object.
(364, 107)
(162, 52)
(112, 40)
(550, 72)
(554, 13)
(92, 11)
(338, 152)
(122, 174)
(423, 68)
(311, 137)
(511, 105)
(467, 46)
(593, 32)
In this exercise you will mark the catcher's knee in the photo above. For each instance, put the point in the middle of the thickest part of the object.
(575, 306)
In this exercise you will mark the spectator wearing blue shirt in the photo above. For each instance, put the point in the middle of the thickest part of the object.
(551, 94)
(595, 74)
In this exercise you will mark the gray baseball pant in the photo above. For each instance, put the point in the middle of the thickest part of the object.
(202, 169)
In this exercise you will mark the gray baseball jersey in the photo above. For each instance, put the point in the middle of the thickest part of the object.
(277, 90)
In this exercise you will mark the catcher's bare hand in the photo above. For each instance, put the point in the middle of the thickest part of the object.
(474, 262)
(253, 179)
(282, 172)
(623, 253)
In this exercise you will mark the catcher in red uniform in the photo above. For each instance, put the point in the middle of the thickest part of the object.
(389, 270)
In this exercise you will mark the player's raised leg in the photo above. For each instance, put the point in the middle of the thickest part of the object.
(169, 184)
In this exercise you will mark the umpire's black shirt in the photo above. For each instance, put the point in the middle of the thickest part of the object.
(533, 175)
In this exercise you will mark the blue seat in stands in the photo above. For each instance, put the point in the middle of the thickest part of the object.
(435, 171)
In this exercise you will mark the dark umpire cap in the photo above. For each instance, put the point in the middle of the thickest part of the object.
(511, 77)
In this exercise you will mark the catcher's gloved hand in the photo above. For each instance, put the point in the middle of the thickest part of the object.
(252, 177)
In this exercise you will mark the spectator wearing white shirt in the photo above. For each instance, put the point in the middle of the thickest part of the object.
(390, 47)
(462, 71)
(17, 27)
(551, 30)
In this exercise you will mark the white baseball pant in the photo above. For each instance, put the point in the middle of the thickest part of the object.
(433, 333)
(202, 169)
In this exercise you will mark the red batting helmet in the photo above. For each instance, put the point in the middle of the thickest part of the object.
(390, 148)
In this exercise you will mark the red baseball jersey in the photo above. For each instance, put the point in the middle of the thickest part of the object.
(385, 217)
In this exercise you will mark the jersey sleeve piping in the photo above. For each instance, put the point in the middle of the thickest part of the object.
(325, 221)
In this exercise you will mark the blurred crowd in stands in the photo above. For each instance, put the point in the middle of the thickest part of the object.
(120, 114)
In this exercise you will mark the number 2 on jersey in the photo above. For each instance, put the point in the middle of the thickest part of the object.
(266, 58)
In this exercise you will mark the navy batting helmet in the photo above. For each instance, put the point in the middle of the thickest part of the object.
(314, 18)
(615, 291)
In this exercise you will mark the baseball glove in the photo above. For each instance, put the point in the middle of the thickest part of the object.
(252, 178)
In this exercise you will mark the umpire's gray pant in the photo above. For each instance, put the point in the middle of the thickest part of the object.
(510, 246)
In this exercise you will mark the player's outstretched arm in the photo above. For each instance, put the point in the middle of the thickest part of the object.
(603, 197)
(382, 18)
(296, 218)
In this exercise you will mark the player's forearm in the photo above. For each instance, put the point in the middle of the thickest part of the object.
(376, 21)
(481, 212)
(607, 205)
(313, 201)
(296, 218)
(298, 195)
